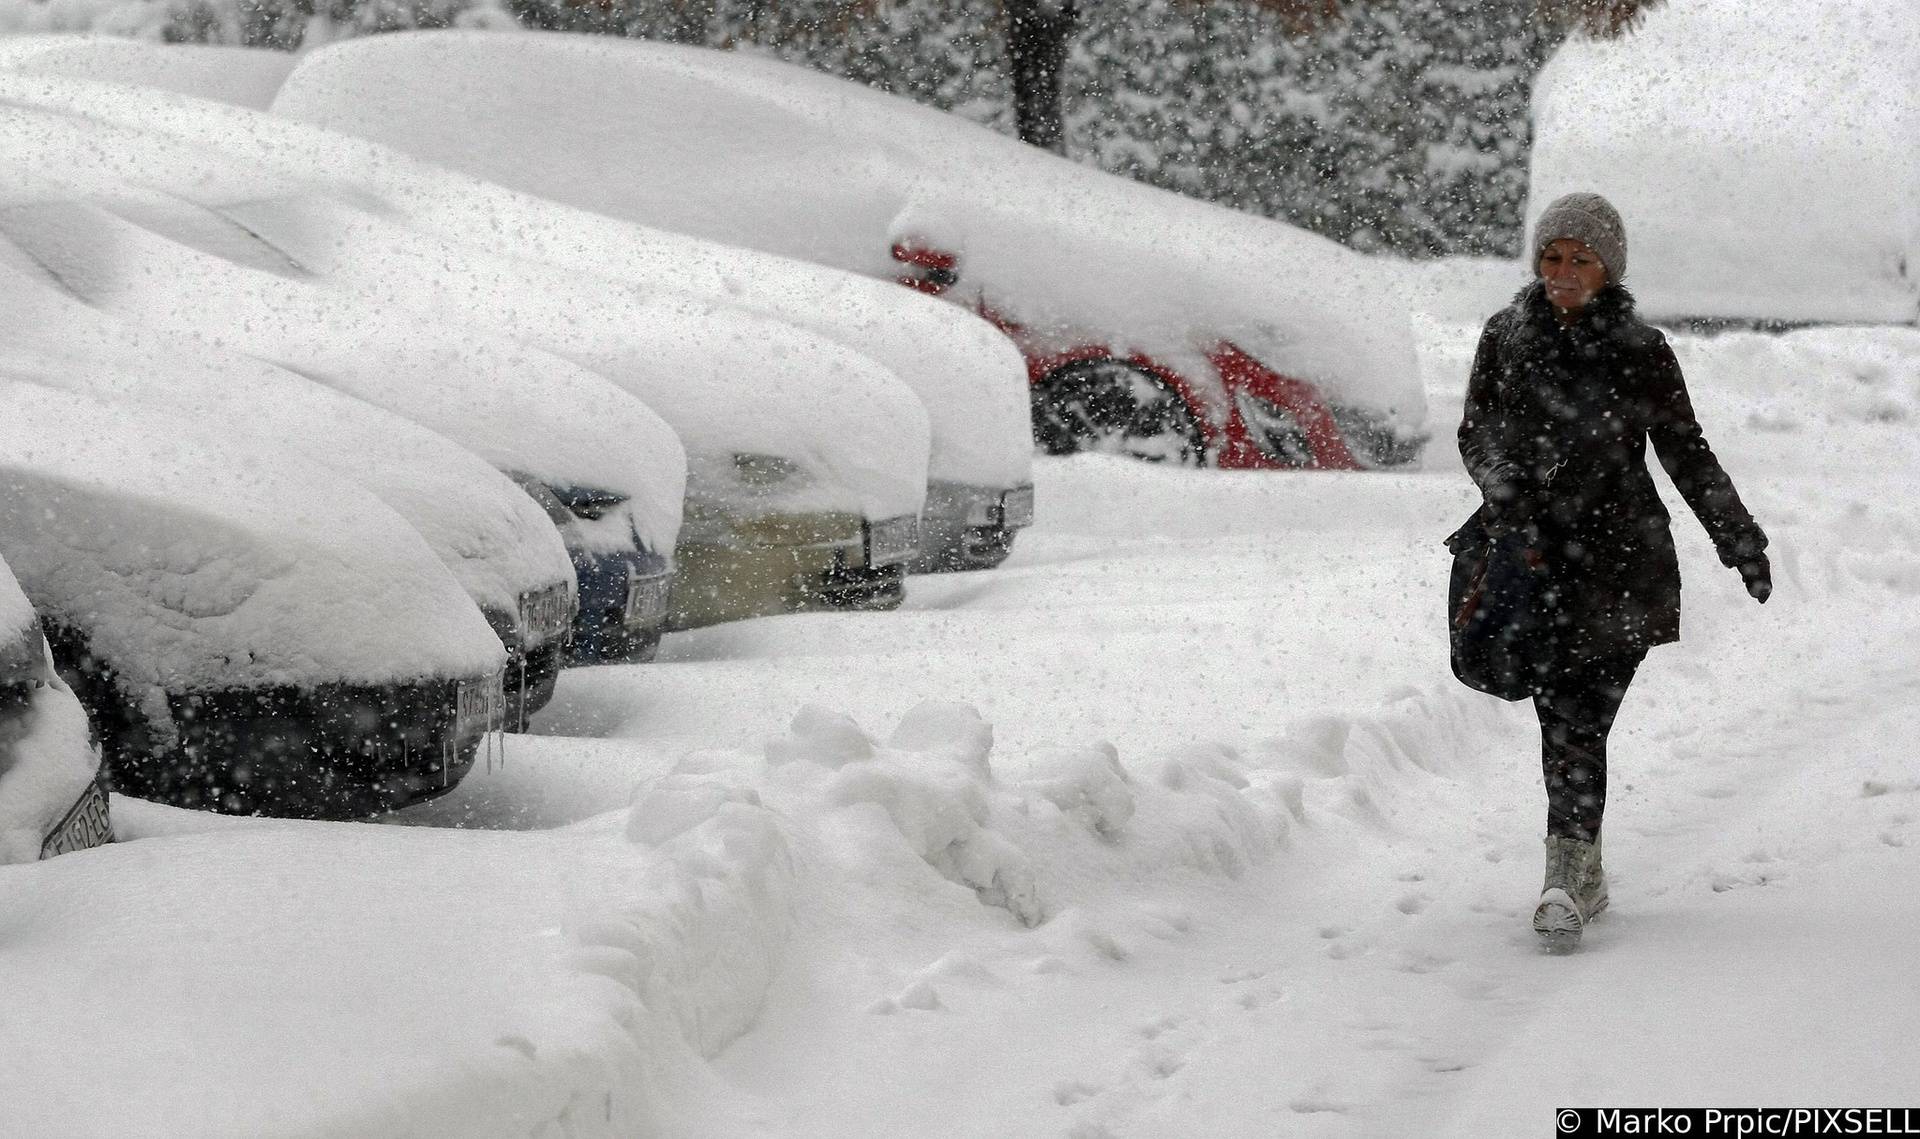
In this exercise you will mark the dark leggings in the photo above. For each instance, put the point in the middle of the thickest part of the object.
(1576, 710)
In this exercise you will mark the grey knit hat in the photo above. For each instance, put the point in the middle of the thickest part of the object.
(1584, 217)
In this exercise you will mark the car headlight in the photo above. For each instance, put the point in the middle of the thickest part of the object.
(765, 472)
(588, 502)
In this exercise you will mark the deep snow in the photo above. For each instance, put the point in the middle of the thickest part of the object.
(1201, 729)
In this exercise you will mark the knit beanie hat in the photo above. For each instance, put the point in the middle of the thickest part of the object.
(1589, 218)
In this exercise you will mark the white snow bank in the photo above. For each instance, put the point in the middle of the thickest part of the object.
(244, 76)
(728, 381)
(1765, 157)
(192, 561)
(352, 980)
(517, 407)
(788, 160)
(496, 540)
(46, 761)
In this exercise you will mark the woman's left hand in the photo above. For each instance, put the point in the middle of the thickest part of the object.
(1757, 575)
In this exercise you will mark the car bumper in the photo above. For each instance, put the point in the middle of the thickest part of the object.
(623, 606)
(790, 563)
(969, 527)
(335, 751)
(535, 635)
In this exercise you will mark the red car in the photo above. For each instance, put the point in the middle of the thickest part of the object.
(1088, 396)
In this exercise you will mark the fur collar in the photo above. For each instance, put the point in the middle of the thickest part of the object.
(1608, 318)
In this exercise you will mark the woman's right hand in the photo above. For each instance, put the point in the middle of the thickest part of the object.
(1757, 575)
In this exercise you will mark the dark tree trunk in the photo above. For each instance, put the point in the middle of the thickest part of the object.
(1037, 34)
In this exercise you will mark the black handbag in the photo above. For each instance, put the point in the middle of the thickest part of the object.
(1493, 607)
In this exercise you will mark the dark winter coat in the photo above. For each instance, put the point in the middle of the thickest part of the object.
(1554, 433)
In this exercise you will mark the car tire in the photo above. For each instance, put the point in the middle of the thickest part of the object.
(1116, 407)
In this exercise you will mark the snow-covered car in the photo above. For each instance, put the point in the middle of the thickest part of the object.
(246, 631)
(495, 541)
(1766, 157)
(979, 478)
(52, 797)
(612, 481)
(806, 462)
(244, 76)
(1150, 323)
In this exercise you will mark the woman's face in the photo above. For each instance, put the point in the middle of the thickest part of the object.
(1573, 273)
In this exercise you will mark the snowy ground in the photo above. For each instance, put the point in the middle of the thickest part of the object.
(1197, 836)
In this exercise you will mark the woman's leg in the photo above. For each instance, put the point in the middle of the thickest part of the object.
(1576, 712)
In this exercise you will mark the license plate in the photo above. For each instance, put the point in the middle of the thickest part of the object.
(85, 824)
(892, 540)
(647, 599)
(479, 705)
(545, 613)
(1016, 508)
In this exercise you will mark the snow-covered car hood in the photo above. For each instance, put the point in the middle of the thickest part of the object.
(970, 378)
(519, 408)
(497, 542)
(1765, 157)
(750, 397)
(247, 77)
(748, 150)
(195, 562)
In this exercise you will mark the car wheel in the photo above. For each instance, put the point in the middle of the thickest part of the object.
(1115, 407)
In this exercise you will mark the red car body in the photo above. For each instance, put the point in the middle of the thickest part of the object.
(1312, 436)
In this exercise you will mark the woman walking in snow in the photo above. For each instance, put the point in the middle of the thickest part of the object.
(1567, 387)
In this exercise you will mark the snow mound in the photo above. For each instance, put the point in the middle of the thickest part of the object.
(809, 166)
(196, 562)
(247, 77)
(46, 760)
(1765, 157)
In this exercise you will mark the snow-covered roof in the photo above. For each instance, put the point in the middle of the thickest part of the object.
(751, 151)
(521, 409)
(970, 378)
(1765, 157)
(195, 562)
(244, 76)
(496, 540)
(729, 381)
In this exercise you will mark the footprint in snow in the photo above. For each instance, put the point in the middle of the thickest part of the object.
(1154, 1028)
(1237, 976)
(1066, 1093)
(1412, 903)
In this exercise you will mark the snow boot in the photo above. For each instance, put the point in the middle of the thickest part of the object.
(1593, 888)
(1558, 919)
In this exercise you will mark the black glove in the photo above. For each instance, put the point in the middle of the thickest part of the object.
(1757, 575)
